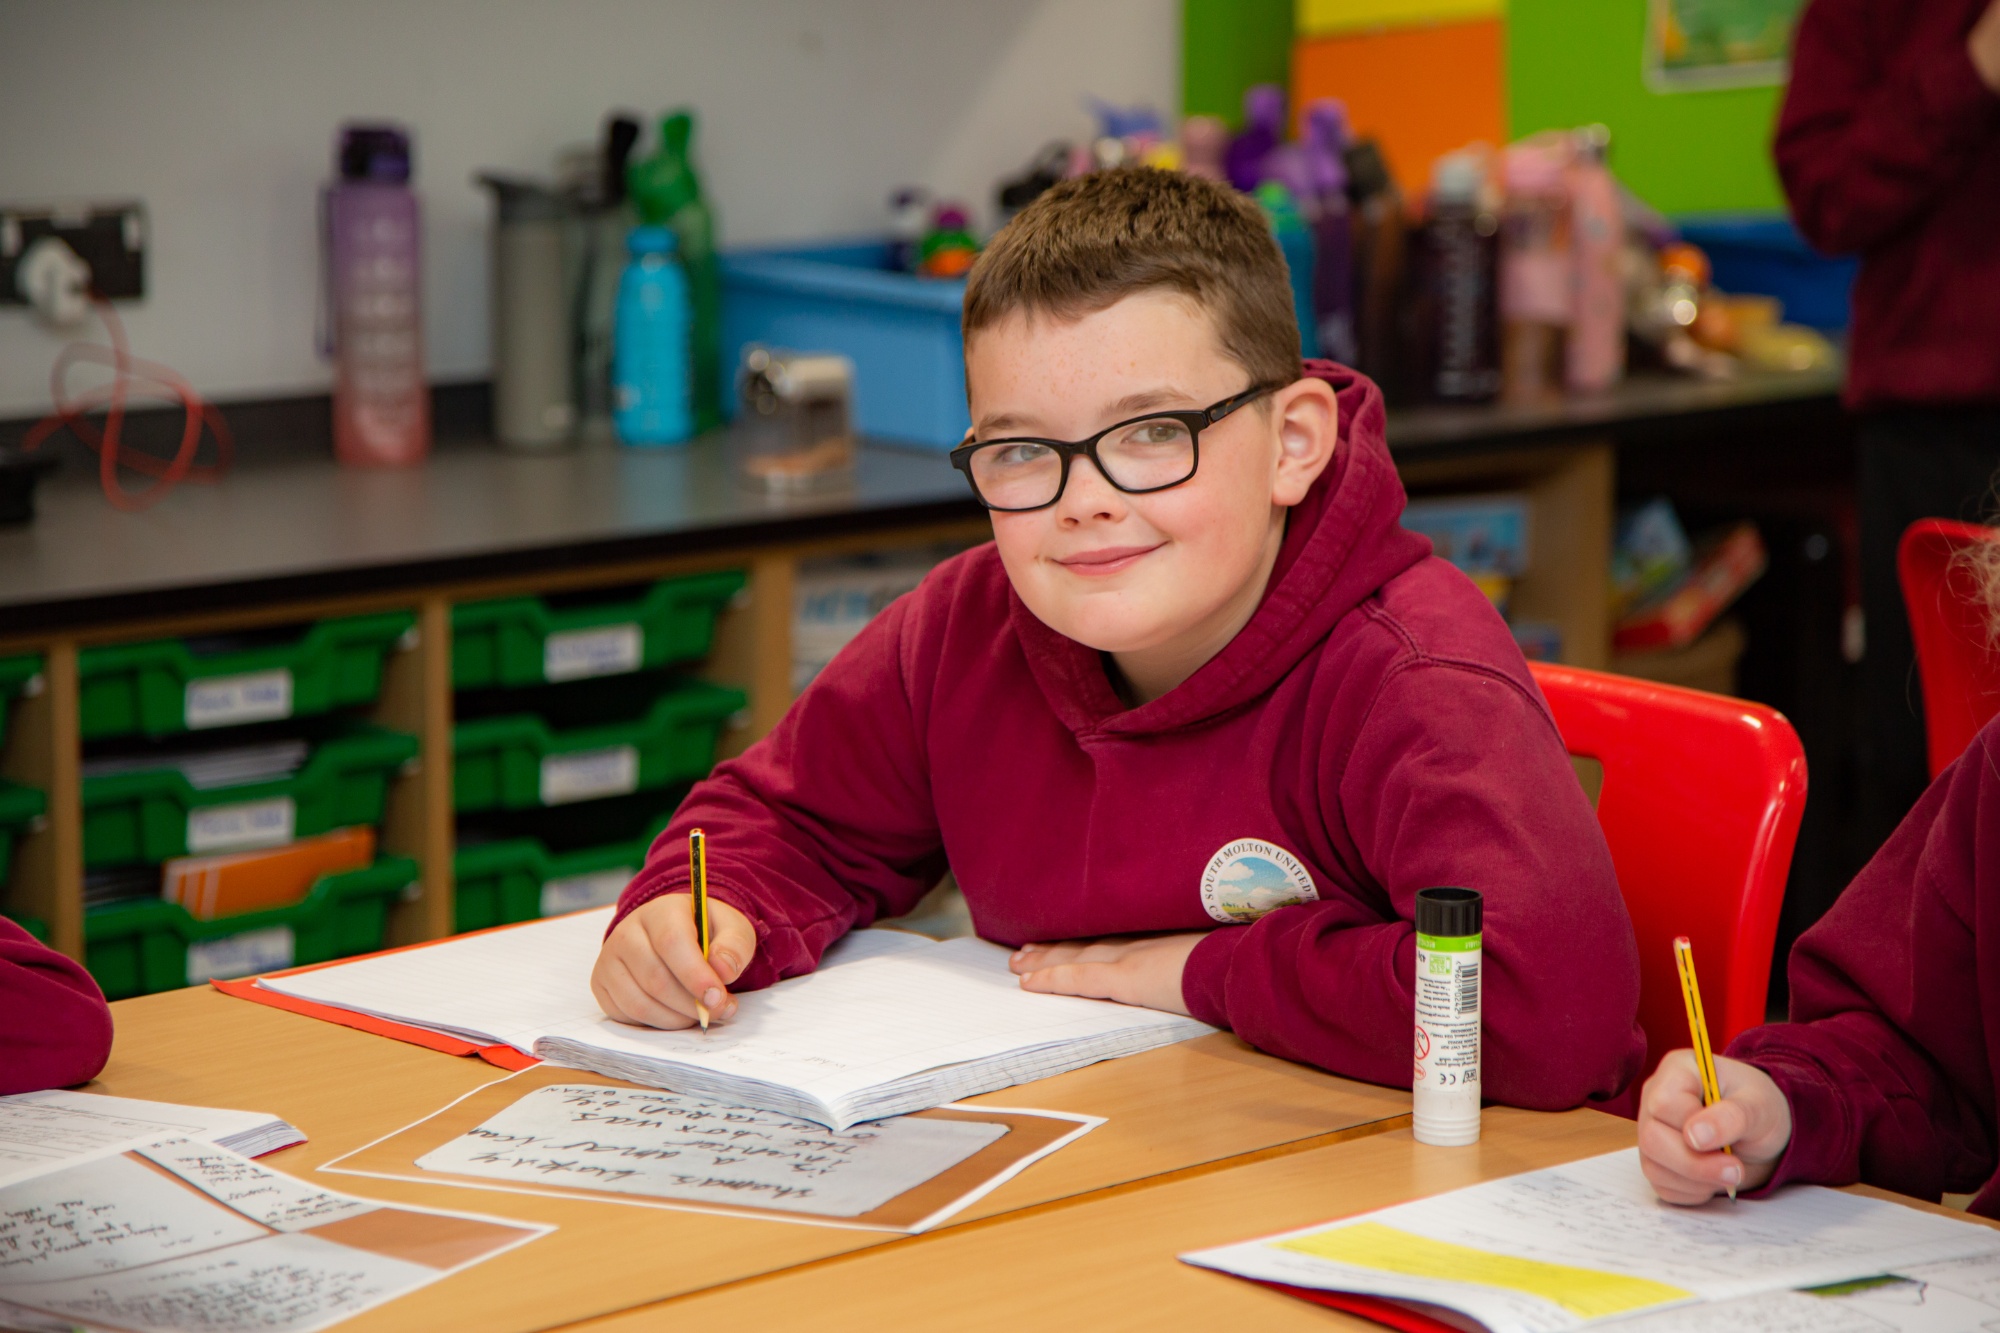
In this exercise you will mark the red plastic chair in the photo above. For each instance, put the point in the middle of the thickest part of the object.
(1700, 801)
(1958, 662)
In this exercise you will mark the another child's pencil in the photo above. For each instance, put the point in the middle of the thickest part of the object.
(1704, 1053)
(698, 882)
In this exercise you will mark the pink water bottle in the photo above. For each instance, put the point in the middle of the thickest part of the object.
(381, 404)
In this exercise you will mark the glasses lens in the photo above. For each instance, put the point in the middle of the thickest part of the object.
(1149, 454)
(1017, 474)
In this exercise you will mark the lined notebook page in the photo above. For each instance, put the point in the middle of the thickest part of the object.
(835, 1033)
(507, 987)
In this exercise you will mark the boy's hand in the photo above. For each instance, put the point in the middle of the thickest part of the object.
(1983, 45)
(1145, 971)
(650, 970)
(1681, 1141)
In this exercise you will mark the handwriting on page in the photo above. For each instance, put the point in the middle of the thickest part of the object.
(104, 1216)
(279, 1202)
(665, 1145)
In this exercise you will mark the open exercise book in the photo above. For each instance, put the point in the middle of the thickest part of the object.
(1588, 1243)
(890, 1023)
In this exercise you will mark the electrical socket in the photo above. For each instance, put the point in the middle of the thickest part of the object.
(111, 238)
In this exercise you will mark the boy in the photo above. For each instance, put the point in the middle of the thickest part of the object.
(1195, 728)
(55, 1028)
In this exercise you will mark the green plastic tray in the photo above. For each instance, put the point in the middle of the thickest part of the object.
(523, 641)
(15, 673)
(34, 925)
(517, 762)
(162, 688)
(19, 807)
(156, 813)
(498, 883)
(140, 947)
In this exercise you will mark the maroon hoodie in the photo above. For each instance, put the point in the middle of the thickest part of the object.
(1373, 730)
(55, 1028)
(1889, 1059)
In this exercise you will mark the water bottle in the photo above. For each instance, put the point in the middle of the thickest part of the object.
(381, 403)
(652, 343)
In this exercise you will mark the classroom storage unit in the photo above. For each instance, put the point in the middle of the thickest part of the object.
(519, 762)
(169, 686)
(157, 813)
(520, 879)
(139, 947)
(17, 675)
(20, 806)
(518, 641)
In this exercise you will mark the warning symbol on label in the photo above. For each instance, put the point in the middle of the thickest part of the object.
(1423, 1043)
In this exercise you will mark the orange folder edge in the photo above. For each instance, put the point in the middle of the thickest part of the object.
(503, 1057)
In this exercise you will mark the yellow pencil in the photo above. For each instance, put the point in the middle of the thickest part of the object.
(698, 880)
(1704, 1053)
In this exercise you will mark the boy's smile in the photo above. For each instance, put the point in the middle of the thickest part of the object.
(1162, 580)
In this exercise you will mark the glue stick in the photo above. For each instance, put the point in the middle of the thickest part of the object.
(1445, 1091)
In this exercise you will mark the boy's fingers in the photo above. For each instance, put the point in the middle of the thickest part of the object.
(1095, 981)
(694, 974)
(630, 1002)
(734, 945)
(1717, 1126)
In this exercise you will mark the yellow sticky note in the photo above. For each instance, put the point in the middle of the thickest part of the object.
(1588, 1293)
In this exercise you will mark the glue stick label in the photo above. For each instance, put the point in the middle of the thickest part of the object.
(1446, 1086)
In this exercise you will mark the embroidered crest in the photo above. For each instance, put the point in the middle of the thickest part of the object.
(1249, 877)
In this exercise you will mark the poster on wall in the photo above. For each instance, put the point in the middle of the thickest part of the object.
(1695, 44)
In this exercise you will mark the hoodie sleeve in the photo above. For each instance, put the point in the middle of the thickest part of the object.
(55, 1029)
(824, 825)
(1886, 1059)
(1456, 777)
(1864, 153)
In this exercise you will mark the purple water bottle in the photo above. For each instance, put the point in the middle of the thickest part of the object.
(1333, 234)
(381, 403)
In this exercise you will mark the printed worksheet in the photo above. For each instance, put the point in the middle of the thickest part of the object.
(184, 1235)
(43, 1130)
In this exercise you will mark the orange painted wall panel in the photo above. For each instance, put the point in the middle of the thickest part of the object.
(1421, 91)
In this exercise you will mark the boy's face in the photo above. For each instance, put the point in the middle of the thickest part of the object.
(1161, 581)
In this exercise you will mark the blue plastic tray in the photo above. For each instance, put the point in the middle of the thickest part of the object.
(1763, 254)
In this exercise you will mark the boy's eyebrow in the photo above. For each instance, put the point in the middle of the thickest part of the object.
(1132, 404)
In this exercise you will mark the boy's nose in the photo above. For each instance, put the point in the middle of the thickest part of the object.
(1088, 492)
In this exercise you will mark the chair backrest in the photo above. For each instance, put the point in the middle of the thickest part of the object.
(1957, 659)
(1700, 802)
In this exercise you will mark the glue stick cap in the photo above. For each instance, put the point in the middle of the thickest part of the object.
(1449, 913)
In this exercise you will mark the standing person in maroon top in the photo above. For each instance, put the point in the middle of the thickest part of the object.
(1889, 148)
(55, 1028)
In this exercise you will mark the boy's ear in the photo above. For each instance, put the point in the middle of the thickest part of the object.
(1308, 421)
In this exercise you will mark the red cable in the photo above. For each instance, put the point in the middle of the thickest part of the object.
(127, 373)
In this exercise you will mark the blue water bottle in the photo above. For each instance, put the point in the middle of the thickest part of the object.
(652, 343)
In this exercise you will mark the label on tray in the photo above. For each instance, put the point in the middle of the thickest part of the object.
(227, 828)
(226, 701)
(608, 650)
(240, 955)
(574, 893)
(584, 775)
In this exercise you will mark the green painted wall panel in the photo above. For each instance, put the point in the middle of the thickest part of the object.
(1228, 46)
(1572, 62)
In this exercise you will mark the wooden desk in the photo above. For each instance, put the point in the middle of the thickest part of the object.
(1173, 1113)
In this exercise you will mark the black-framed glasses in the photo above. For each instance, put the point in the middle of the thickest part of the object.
(1150, 453)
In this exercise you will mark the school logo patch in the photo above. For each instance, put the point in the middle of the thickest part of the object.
(1250, 877)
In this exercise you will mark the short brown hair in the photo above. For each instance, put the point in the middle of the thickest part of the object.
(1090, 242)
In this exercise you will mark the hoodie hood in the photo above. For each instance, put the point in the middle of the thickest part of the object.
(1342, 543)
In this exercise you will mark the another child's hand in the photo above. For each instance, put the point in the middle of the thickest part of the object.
(1681, 1141)
(650, 970)
(1145, 971)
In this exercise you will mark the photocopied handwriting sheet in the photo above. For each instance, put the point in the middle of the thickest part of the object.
(819, 1046)
(548, 1131)
(1957, 1296)
(182, 1234)
(43, 1130)
(1558, 1249)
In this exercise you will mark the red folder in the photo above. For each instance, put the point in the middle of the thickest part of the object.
(246, 988)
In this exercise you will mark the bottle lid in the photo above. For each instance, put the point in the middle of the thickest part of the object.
(1449, 913)
(652, 241)
(1458, 178)
(374, 153)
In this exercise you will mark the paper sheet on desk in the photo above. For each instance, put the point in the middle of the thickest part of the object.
(40, 1131)
(1558, 1249)
(181, 1234)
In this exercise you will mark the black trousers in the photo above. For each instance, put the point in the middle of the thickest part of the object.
(1915, 463)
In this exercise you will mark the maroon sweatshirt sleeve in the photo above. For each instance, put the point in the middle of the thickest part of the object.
(1864, 150)
(1886, 1060)
(823, 826)
(55, 1029)
(1458, 777)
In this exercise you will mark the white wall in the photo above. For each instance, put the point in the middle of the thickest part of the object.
(220, 114)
